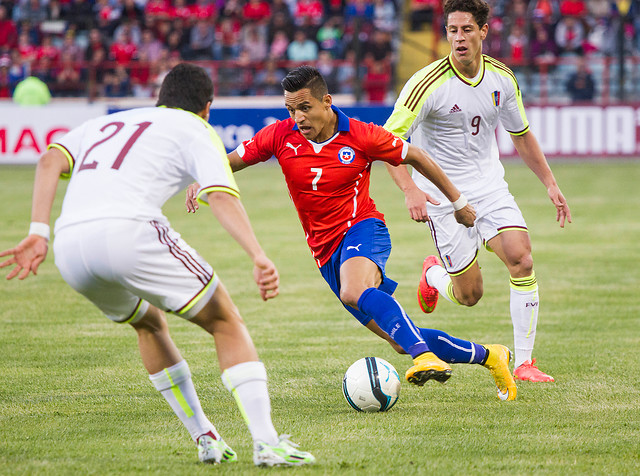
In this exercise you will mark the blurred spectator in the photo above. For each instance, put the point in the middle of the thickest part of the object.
(69, 45)
(204, 10)
(280, 7)
(117, 83)
(96, 71)
(575, 8)
(302, 48)
(569, 35)
(176, 42)
(493, 45)
(346, 74)
(581, 85)
(123, 49)
(43, 70)
(384, 15)
(132, 12)
(131, 28)
(256, 11)
(32, 11)
(17, 69)
(78, 13)
(54, 10)
(8, 31)
(254, 42)
(201, 41)
(378, 48)
(96, 43)
(140, 77)
(157, 10)
(5, 83)
(422, 12)
(308, 12)
(517, 41)
(542, 50)
(46, 49)
(227, 44)
(279, 21)
(68, 82)
(150, 46)
(180, 10)
(330, 37)
(544, 10)
(599, 8)
(326, 67)
(25, 47)
(232, 9)
(279, 45)
(376, 82)
(269, 78)
(335, 8)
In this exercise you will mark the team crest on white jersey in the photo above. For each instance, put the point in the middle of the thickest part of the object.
(495, 97)
(346, 155)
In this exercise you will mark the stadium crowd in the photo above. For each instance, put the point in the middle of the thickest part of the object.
(122, 48)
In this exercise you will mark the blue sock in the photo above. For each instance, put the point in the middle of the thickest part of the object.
(389, 315)
(453, 350)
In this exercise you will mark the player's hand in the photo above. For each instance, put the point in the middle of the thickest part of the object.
(416, 202)
(562, 208)
(27, 256)
(466, 216)
(266, 277)
(190, 202)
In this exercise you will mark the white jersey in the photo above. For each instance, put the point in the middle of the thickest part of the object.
(454, 119)
(128, 164)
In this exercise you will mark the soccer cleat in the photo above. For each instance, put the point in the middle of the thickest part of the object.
(428, 295)
(282, 454)
(428, 366)
(214, 451)
(497, 361)
(529, 371)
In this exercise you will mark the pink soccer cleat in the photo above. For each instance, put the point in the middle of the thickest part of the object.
(529, 371)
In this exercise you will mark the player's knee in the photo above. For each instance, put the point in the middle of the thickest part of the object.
(469, 297)
(521, 265)
(350, 296)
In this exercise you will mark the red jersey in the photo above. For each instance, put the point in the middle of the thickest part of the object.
(328, 181)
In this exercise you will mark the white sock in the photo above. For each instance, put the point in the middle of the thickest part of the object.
(247, 382)
(176, 387)
(438, 277)
(524, 304)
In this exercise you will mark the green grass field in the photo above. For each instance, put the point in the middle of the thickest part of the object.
(75, 398)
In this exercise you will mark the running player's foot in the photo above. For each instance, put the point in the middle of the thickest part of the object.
(428, 295)
(529, 371)
(214, 451)
(497, 361)
(426, 367)
(285, 453)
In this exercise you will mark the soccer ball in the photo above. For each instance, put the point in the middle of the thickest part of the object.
(371, 384)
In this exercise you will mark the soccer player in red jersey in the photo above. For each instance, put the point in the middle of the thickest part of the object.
(326, 159)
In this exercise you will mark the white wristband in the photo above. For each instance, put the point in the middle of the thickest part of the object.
(460, 203)
(40, 229)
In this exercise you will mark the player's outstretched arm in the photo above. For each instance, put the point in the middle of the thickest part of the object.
(532, 155)
(423, 163)
(231, 214)
(414, 198)
(32, 251)
(191, 202)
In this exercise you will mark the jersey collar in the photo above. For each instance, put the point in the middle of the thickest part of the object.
(463, 78)
(343, 120)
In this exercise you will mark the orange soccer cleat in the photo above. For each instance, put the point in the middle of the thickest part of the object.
(428, 295)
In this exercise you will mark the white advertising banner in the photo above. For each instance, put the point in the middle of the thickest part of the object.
(25, 131)
(582, 131)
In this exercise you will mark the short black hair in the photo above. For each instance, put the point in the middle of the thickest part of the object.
(479, 9)
(305, 77)
(187, 87)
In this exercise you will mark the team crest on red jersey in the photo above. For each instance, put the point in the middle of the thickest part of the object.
(346, 155)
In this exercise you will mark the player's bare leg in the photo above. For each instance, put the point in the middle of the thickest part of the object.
(171, 376)
(513, 247)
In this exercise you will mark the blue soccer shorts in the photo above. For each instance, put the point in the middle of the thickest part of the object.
(369, 238)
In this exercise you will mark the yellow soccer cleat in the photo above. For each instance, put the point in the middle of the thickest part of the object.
(497, 361)
(426, 367)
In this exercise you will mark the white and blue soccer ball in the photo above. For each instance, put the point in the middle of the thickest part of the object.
(371, 384)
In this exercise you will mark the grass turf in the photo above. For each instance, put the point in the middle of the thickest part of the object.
(75, 398)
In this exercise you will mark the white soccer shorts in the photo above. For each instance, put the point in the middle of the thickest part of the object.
(458, 246)
(121, 265)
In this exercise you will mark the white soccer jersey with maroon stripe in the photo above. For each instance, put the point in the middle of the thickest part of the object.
(128, 164)
(454, 119)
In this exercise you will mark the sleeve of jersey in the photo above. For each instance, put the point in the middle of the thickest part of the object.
(69, 145)
(261, 147)
(385, 146)
(512, 114)
(210, 166)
